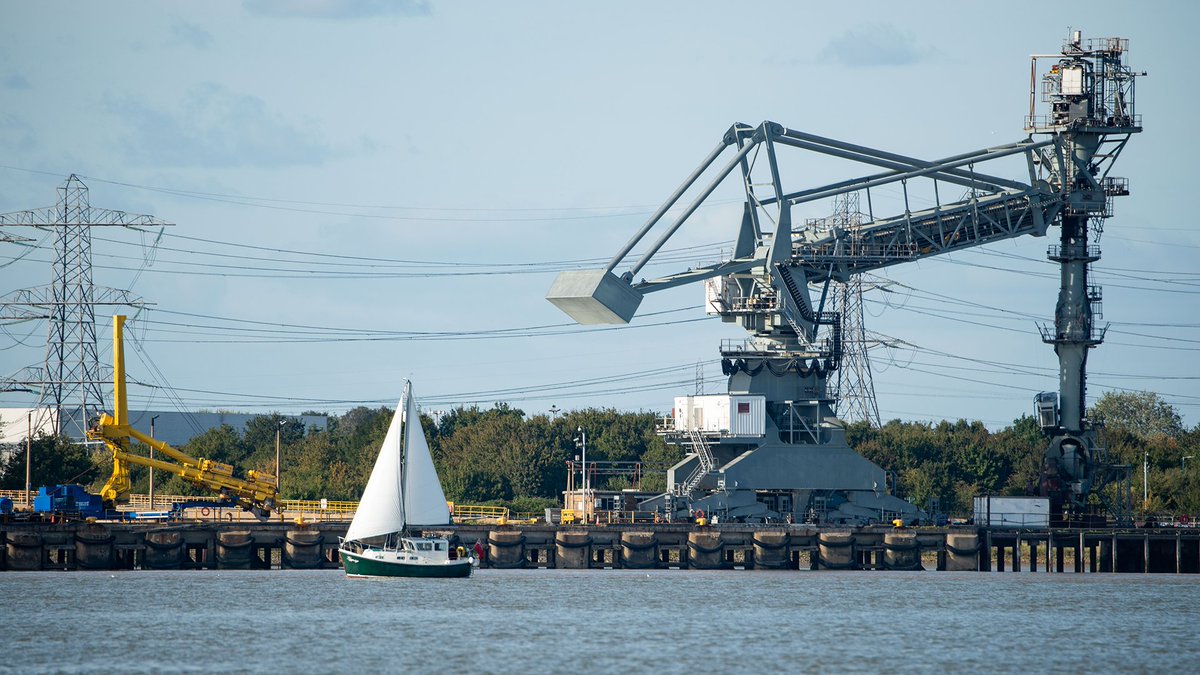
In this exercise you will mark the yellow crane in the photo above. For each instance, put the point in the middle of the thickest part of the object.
(258, 492)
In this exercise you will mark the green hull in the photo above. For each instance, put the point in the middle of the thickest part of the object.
(359, 566)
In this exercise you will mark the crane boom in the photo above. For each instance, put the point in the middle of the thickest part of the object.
(257, 492)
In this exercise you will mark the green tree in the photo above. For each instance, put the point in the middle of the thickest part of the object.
(1139, 412)
(56, 461)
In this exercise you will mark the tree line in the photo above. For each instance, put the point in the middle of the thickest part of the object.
(501, 456)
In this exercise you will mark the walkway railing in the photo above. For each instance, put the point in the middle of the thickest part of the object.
(467, 513)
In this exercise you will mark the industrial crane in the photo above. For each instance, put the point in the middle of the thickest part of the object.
(797, 463)
(257, 492)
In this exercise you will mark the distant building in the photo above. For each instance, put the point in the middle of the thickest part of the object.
(172, 427)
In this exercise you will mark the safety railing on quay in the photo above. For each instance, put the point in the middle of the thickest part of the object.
(608, 518)
(18, 497)
(468, 513)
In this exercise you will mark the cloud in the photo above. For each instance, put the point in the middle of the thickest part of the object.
(215, 127)
(336, 9)
(873, 44)
(191, 34)
(15, 81)
(16, 135)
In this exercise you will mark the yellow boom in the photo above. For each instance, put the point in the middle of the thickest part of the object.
(258, 492)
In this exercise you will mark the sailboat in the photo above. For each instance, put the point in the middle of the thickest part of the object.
(403, 490)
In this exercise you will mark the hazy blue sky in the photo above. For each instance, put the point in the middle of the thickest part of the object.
(456, 154)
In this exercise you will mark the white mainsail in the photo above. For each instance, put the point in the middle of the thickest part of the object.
(424, 501)
(390, 500)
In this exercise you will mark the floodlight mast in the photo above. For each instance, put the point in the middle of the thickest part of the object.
(769, 282)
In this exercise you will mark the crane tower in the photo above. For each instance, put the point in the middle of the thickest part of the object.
(1089, 92)
(772, 446)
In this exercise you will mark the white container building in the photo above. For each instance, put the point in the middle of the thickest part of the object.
(730, 415)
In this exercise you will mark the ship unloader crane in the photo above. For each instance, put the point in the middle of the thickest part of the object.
(775, 284)
(257, 492)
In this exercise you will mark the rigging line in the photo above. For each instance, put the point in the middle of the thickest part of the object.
(966, 321)
(421, 338)
(522, 268)
(1148, 324)
(1034, 317)
(1155, 243)
(1048, 275)
(413, 270)
(1036, 371)
(1017, 330)
(1100, 383)
(421, 262)
(179, 191)
(1101, 273)
(430, 401)
(149, 254)
(20, 341)
(315, 274)
(997, 370)
(968, 379)
(158, 375)
(250, 202)
(328, 328)
(392, 217)
(30, 248)
(993, 314)
(932, 417)
(470, 397)
(673, 254)
(610, 379)
(1155, 337)
(286, 273)
(1016, 369)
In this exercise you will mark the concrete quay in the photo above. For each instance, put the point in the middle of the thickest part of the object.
(245, 545)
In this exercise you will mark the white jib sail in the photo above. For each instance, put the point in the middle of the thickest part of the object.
(379, 511)
(424, 501)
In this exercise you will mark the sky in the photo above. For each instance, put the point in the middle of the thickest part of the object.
(363, 192)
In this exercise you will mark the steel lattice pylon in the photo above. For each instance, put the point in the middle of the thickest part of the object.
(72, 366)
(69, 383)
(853, 385)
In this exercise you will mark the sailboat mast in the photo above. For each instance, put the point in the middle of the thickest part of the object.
(404, 423)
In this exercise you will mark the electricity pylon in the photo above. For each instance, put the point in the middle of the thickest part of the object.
(68, 383)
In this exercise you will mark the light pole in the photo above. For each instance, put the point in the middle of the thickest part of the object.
(554, 410)
(1145, 478)
(28, 459)
(582, 442)
(278, 469)
(152, 468)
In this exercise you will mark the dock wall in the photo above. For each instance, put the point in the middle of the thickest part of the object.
(243, 545)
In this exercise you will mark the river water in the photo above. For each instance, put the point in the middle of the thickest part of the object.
(599, 621)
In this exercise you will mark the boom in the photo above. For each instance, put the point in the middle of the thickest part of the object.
(257, 492)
